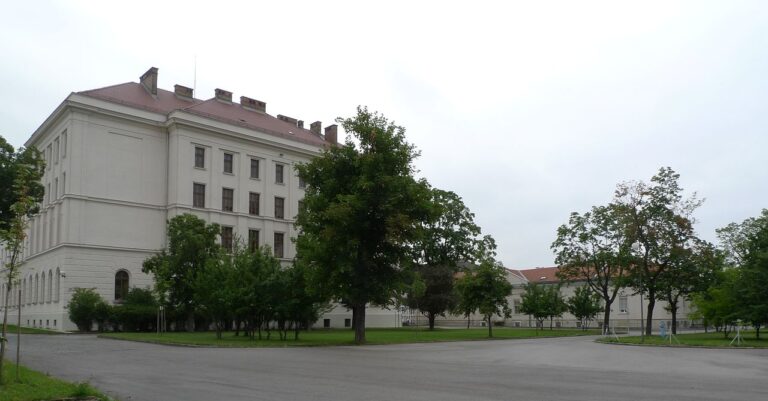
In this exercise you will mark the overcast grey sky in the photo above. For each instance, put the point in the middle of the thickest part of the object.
(528, 110)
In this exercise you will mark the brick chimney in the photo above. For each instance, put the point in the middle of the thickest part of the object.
(315, 127)
(253, 104)
(183, 92)
(331, 133)
(287, 119)
(224, 96)
(149, 80)
(300, 124)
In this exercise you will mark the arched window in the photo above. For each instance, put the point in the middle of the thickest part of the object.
(37, 288)
(57, 291)
(42, 288)
(23, 291)
(30, 293)
(50, 286)
(121, 285)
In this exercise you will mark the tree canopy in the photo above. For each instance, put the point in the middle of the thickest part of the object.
(594, 248)
(362, 208)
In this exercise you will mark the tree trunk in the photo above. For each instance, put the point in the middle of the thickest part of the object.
(757, 331)
(490, 327)
(358, 311)
(4, 333)
(431, 317)
(190, 323)
(468, 321)
(673, 309)
(606, 318)
(649, 317)
(18, 339)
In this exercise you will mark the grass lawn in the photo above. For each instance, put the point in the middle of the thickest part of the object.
(696, 340)
(37, 386)
(324, 337)
(28, 330)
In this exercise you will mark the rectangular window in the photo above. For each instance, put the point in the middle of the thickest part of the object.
(227, 199)
(64, 144)
(516, 307)
(279, 173)
(279, 245)
(199, 157)
(254, 168)
(302, 184)
(48, 158)
(226, 238)
(347, 322)
(228, 162)
(56, 151)
(253, 203)
(623, 304)
(300, 206)
(279, 207)
(198, 195)
(253, 240)
(63, 183)
(55, 189)
(326, 323)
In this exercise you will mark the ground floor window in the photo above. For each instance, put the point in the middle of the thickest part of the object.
(121, 285)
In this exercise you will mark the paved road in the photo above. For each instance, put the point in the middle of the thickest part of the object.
(545, 369)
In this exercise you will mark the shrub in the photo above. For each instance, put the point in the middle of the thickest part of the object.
(85, 307)
(138, 312)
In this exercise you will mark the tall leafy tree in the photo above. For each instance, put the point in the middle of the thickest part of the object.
(584, 305)
(693, 268)
(554, 304)
(533, 303)
(362, 207)
(447, 240)
(191, 245)
(755, 273)
(14, 163)
(485, 290)
(594, 248)
(20, 174)
(659, 221)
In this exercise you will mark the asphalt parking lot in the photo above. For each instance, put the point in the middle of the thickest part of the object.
(537, 369)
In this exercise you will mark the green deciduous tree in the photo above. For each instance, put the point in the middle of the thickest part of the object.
(594, 248)
(362, 208)
(584, 305)
(20, 174)
(449, 238)
(533, 303)
(692, 268)
(191, 246)
(659, 221)
(485, 289)
(755, 273)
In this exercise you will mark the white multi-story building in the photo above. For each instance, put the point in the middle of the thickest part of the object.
(122, 160)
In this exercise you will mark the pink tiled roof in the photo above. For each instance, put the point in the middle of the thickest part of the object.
(235, 114)
(135, 95)
(541, 275)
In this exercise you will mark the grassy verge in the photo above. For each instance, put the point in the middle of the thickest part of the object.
(28, 330)
(695, 340)
(322, 337)
(34, 385)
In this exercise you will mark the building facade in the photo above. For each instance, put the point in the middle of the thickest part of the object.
(122, 160)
